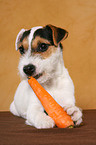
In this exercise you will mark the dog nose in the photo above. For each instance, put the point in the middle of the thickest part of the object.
(29, 69)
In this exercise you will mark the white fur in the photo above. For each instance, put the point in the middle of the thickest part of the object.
(31, 34)
(55, 80)
(18, 37)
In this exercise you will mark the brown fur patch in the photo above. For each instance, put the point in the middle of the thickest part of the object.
(24, 43)
(37, 40)
(51, 49)
(49, 52)
(54, 31)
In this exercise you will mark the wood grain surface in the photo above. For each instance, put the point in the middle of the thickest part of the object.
(14, 131)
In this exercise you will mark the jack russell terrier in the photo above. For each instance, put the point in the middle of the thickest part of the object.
(42, 58)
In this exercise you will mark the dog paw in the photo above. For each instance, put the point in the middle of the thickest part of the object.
(41, 121)
(75, 113)
(13, 109)
(47, 122)
(28, 123)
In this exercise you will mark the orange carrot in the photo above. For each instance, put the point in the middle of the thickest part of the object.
(54, 110)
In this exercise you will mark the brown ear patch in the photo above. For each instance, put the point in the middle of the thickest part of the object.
(22, 40)
(58, 34)
(54, 34)
(24, 43)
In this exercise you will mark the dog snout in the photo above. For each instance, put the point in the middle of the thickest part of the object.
(29, 69)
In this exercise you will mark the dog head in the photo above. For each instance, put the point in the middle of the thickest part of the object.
(40, 49)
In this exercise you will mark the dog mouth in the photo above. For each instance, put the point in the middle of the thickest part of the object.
(38, 76)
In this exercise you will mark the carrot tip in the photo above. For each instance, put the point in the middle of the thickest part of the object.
(29, 78)
(71, 126)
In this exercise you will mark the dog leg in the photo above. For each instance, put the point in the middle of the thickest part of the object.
(75, 113)
(13, 109)
(37, 118)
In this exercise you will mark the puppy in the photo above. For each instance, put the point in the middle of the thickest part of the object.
(42, 58)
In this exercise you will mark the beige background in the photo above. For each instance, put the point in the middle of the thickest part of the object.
(76, 16)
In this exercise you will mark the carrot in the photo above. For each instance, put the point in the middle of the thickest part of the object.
(54, 110)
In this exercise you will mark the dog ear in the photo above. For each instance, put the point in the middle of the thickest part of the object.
(19, 36)
(58, 34)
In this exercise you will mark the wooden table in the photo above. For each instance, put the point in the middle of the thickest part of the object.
(14, 131)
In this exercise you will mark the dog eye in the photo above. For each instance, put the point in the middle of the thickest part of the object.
(21, 49)
(42, 47)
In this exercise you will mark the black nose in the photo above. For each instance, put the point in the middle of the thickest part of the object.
(29, 69)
